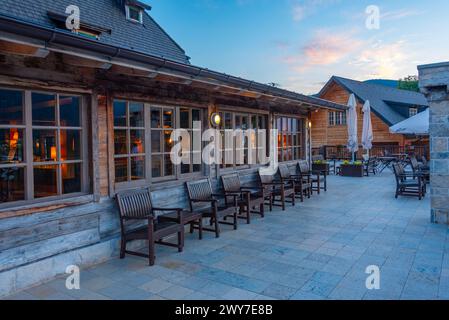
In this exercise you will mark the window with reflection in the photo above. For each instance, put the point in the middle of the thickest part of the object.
(290, 138)
(55, 165)
(187, 119)
(129, 141)
(236, 154)
(133, 122)
(12, 161)
(162, 125)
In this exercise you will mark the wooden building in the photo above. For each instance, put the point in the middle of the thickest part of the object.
(389, 106)
(85, 114)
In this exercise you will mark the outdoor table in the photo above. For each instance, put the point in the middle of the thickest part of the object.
(385, 162)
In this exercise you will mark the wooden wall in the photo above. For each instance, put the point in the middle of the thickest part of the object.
(323, 134)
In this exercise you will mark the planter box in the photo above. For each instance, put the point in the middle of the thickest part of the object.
(321, 167)
(352, 171)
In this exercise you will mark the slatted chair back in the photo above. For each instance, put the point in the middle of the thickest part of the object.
(231, 183)
(303, 167)
(134, 204)
(414, 163)
(398, 172)
(284, 171)
(266, 178)
(424, 160)
(199, 190)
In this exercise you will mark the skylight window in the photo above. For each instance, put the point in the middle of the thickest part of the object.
(134, 14)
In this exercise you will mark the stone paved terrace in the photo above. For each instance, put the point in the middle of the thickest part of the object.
(317, 250)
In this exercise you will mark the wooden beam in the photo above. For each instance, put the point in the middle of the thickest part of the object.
(22, 49)
(87, 63)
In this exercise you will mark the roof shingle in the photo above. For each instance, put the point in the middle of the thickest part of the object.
(148, 38)
(380, 97)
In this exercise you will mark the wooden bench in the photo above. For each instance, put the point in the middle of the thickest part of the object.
(280, 190)
(249, 198)
(203, 201)
(303, 186)
(136, 206)
(317, 178)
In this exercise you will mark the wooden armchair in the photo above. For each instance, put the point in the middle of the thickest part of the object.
(249, 198)
(370, 166)
(419, 169)
(279, 190)
(136, 206)
(408, 184)
(318, 179)
(303, 186)
(202, 200)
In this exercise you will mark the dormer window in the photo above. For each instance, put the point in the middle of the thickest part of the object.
(134, 14)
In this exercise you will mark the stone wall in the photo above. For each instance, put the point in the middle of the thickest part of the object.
(434, 83)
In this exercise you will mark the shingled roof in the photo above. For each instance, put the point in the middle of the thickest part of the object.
(385, 101)
(148, 38)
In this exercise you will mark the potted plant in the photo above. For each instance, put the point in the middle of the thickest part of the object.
(321, 166)
(352, 169)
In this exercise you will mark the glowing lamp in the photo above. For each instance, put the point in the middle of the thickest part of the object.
(215, 119)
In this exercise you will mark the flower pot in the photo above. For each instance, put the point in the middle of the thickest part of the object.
(352, 170)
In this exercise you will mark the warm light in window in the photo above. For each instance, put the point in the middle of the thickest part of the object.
(53, 153)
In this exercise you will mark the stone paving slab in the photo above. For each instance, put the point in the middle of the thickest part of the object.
(319, 249)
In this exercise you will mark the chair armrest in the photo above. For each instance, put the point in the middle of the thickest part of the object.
(273, 184)
(235, 193)
(248, 189)
(150, 218)
(168, 209)
(204, 200)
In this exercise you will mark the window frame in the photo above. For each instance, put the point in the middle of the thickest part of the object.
(29, 164)
(222, 111)
(300, 143)
(412, 112)
(149, 179)
(128, 9)
(331, 118)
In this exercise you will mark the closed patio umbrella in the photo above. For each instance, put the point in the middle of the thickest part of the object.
(367, 133)
(353, 143)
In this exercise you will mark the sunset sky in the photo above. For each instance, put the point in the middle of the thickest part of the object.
(300, 44)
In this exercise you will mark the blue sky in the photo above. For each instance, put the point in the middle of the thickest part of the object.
(300, 44)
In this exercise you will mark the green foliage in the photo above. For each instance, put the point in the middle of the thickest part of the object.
(410, 83)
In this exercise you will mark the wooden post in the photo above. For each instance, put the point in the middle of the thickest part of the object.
(95, 147)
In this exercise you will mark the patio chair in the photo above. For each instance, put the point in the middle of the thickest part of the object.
(370, 166)
(408, 184)
(280, 190)
(419, 169)
(136, 206)
(316, 177)
(303, 185)
(216, 207)
(249, 198)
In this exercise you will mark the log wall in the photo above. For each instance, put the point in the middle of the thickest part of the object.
(323, 134)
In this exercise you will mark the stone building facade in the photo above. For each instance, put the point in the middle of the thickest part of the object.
(434, 83)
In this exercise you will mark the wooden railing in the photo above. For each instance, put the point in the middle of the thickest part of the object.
(342, 153)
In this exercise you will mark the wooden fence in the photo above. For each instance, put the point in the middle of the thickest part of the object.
(342, 153)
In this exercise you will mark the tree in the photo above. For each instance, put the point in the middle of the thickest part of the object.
(410, 83)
